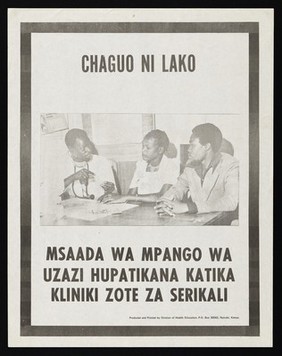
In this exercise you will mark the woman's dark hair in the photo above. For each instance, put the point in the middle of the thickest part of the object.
(209, 133)
(160, 136)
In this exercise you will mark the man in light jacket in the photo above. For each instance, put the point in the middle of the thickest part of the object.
(210, 181)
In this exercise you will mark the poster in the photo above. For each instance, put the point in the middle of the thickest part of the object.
(111, 108)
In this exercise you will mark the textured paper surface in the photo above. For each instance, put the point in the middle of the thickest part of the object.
(217, 92)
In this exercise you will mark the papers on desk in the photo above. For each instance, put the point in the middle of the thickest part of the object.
(92, 210)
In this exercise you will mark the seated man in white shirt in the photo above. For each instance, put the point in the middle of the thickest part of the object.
(155, 173)
(92, 176)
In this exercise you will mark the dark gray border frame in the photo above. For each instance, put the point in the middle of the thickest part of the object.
(252, 28)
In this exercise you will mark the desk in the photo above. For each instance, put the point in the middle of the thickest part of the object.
(141, 215)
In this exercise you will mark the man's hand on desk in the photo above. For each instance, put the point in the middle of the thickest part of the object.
(170, 208)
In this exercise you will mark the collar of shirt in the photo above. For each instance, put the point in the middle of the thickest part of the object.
(162, 165)
(152, 169)
(213, 164)
(81, 164)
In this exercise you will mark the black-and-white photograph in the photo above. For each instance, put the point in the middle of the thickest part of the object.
(138, 169)
(139, 155)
